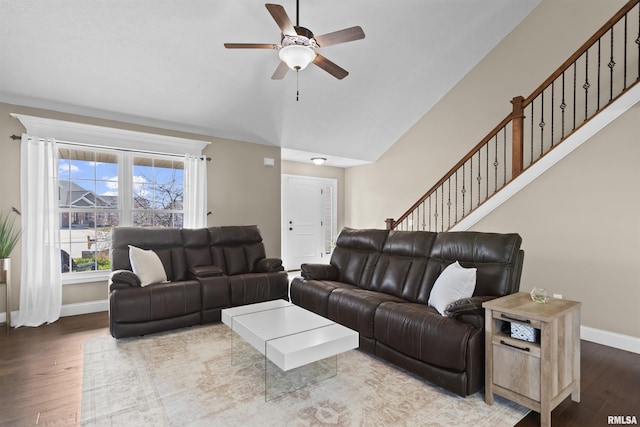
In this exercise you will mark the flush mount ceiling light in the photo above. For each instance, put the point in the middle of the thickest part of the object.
(318, 160)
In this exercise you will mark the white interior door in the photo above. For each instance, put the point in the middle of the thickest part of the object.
(305, 227)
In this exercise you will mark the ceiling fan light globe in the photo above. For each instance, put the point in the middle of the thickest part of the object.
(297, 57)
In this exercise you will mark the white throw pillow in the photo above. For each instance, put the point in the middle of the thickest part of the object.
(454, 283)
(147, 266)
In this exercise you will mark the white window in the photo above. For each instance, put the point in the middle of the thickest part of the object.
(111, 177)
(101, 188)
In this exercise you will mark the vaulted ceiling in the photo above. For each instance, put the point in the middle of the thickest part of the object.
(162, 63)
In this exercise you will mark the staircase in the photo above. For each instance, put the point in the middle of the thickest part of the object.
(598, 83)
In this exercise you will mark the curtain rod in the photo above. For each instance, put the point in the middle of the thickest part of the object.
(18, 137)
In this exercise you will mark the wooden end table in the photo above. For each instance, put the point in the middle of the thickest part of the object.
(540, 374)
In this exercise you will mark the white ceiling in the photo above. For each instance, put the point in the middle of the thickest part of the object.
(162, 63)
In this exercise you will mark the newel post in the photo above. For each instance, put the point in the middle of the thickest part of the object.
(517, 140)
(389, 222)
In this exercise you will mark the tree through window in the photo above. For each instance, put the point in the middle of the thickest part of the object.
(99, 189)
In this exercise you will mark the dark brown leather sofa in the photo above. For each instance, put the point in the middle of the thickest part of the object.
(207, 269)
(378, 283)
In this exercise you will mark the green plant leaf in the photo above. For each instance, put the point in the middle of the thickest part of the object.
(9, 235)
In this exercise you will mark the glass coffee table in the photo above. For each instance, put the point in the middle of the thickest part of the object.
(299, 347)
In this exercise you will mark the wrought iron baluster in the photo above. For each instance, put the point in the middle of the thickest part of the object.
(624, 69)
(456, 193)
(504, 159)
(533, 103)
(449, 202)
(430, 213)
(638, 41)
(435, 215)
(553, 111)
(611, 65)
(463, 189)
(575, 79)
(413, 219)
(470, 183)
(442, 206)
(586, 84)
(599, 68)
(496, 164)
(541, 124)
(487, 172)
(563, 106)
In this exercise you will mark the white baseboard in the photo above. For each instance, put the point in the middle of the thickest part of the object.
(71, 309)
(84, 308)
(611, 339)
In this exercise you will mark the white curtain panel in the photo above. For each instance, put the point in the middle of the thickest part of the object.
(195, 191)
(41, 280)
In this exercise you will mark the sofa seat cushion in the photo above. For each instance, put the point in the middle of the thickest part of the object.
(155, 302)
(355, 308)
(421, 332)
(257, 287)
(313, 295)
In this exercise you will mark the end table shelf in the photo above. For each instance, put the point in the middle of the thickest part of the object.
(539, 374)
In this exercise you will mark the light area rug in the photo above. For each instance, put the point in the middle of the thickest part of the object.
(186, 378)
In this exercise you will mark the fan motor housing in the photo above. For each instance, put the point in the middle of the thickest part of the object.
(303, 37)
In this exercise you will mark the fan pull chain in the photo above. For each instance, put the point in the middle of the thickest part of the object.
(297, 88)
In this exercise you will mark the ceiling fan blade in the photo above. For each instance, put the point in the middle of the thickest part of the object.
(330, 67)
(341, 36)
(281, 18)
(249, 46)
(280, 72)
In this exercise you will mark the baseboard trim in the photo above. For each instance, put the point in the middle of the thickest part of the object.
(611, 339)
(84, 308)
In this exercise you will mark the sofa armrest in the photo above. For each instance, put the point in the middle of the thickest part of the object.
(205, 271)
(471, 305)
(123, 279)
(319, 272)
(268, 265)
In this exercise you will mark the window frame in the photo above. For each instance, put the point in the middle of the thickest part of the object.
(88, 136)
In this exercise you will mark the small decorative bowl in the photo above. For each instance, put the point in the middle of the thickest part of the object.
(539, 295)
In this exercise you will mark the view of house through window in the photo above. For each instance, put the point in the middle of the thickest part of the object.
(99, 189)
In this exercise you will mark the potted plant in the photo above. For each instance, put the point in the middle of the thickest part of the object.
(9, 236)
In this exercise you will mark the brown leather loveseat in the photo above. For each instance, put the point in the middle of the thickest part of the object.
(207, 270)
(378, 283)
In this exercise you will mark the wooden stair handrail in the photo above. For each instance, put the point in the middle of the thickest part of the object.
(517, 116)
(457, 166)
(578, 53)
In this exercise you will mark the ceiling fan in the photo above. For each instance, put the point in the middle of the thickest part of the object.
(298, 45)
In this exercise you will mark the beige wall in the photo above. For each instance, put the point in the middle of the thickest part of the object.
(241, 190)
(579, 221)
(521, 62)
(580, 227)
(304, 169)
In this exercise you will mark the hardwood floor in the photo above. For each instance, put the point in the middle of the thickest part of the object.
(41, 378)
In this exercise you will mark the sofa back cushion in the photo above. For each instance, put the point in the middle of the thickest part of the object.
(497, 258)
(356, 254)
(196, 247)
(166, 242)
(402, 263)
(236, 249)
